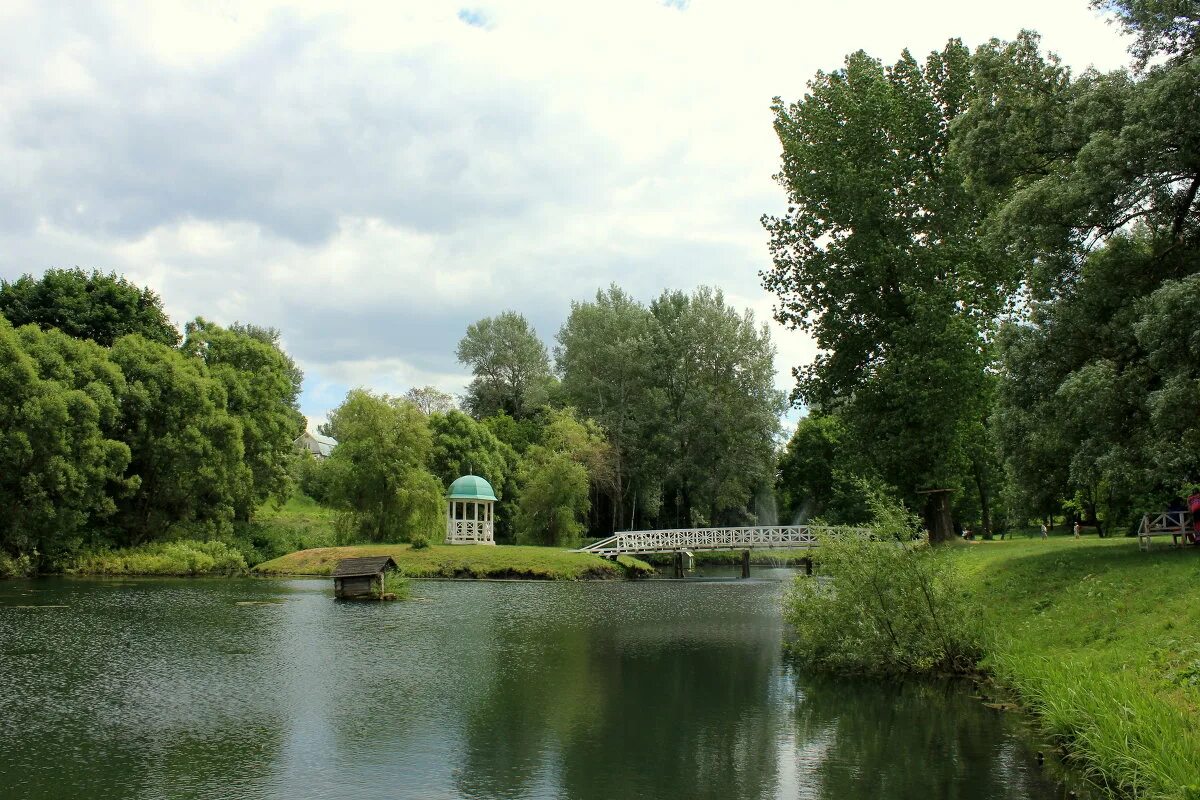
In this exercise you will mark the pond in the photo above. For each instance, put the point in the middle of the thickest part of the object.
(254, 688)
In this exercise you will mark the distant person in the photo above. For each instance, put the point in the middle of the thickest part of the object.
(1045, 531)
(1078, 529)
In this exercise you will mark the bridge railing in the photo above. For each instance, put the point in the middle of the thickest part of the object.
(729, 538)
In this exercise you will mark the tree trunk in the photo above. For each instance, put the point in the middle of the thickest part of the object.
(985, 506)
(937, 517)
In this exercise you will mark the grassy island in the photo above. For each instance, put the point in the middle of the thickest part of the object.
(465, 561)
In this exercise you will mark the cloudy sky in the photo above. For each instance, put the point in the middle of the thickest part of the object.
(371, 177)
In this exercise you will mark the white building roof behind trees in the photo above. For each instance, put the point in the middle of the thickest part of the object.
(320, 446)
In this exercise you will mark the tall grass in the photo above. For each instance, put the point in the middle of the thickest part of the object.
(1122, 736)
(187, 557)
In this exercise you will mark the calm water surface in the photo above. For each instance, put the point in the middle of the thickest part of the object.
(245, 688)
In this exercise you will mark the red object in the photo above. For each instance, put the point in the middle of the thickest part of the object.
(1194, 507)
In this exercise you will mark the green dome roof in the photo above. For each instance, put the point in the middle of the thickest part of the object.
(471, 487)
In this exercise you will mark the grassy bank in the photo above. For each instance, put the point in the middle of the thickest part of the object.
(186, 557)
(1102, 642)
(463, 561)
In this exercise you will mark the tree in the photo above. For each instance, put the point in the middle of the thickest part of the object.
(58, 466)
(554, 480)
(510, 365)
(85, 305)
(187, 451)
(817, 473)
(377, 472)
(262, 391)
(714, 376)
(878, 259)
(1097, 192)
(430, 400)
(463, 446)
(604, 355)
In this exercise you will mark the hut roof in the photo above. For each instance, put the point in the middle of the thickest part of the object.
(356, 567)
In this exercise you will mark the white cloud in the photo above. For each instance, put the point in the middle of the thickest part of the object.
(370, 177)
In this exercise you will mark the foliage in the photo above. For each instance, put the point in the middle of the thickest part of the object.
(430, 399)
(517, 434)
(377, 473)
(187, 449)
(878, 260)
(890, 604)
(464, 561)
(553, 482)
(262, 388)
(186, 557)
(714, 370)
(279, 529)
(1095, 182)
(605, 357)
(1161, 27)
(310, 476)
(510, 365)
(58, 457)
(462, 446)
(85, 305)
(818, 474)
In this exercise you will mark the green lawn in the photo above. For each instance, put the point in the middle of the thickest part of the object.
(1103, 642)
(463, 561)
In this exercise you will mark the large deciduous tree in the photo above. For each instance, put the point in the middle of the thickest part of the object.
(510, 366)
(714, 371)
(430, 399)
(59, 465)
(878, 259)
(97, 306)
(262, 388)
(553, 480)
(605, 358)
(187, 451)
(1096, 179)
(377, 473)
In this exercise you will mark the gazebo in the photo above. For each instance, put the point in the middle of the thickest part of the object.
(470, 511)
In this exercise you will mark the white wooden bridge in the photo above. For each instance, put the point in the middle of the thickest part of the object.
(681, 540)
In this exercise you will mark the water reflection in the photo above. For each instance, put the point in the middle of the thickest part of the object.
(265, 689)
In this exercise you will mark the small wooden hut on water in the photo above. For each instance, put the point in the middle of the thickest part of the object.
(362, 578)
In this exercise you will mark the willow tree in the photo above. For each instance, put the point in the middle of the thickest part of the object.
(1097, 182)
(877, 258)
(377, 474)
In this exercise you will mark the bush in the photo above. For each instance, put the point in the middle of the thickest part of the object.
(889, 604)
(15, 567)
(186, 557)
(419, 541)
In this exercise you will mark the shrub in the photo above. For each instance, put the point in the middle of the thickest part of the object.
(886, 604)
(15, 567)
(186, 557)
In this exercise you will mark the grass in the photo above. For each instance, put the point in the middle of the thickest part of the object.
(186, 557)
(464, 561)
(1102, 642)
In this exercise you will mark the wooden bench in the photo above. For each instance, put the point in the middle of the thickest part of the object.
(1176, 524)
